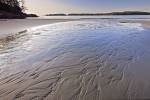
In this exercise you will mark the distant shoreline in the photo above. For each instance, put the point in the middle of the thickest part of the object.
(101, 14)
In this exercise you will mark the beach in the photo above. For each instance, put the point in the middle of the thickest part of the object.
(145, 23)
(12, 26)
(75, 59)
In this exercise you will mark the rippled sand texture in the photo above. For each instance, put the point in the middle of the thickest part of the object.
(78, 60)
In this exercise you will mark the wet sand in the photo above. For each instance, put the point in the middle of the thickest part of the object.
(12, 26)
(77, 60)
(145, 23)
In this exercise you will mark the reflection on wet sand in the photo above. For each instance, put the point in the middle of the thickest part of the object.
(78, 60)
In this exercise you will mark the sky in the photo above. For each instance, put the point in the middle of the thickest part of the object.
(42, 7)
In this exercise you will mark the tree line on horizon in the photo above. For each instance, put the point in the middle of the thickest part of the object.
(98, 14)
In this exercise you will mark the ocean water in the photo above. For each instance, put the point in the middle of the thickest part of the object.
(83, 60)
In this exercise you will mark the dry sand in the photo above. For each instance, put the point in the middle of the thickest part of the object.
(78, 60)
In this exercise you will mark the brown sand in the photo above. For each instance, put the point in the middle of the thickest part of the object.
(145, 23)
(112, 68)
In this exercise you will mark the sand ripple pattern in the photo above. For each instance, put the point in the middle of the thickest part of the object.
(79, 60)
